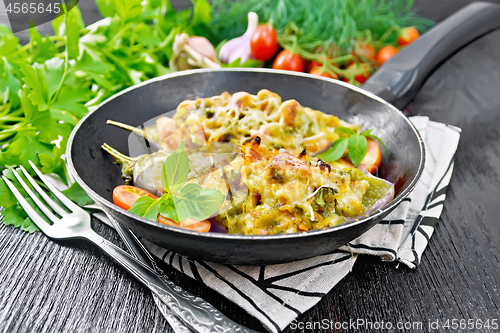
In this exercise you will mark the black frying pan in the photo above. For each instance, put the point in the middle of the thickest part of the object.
(397, 81)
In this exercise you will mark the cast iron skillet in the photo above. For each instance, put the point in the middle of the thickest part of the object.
(397, 81)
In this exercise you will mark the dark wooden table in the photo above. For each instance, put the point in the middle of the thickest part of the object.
(57, 287)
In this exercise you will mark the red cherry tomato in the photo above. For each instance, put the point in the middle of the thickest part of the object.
(288, 61)
(373, 157)
(317, 63)
(362, 51)
(385, 54)
(124, 196)
(264, 43)
(361, 72)
(408, 35)
(321, 72)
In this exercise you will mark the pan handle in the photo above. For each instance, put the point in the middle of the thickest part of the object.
(398, 80)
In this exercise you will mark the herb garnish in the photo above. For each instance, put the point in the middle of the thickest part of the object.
(355, 144)
(180, 200)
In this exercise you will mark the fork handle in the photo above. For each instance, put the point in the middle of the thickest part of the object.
(195, 312)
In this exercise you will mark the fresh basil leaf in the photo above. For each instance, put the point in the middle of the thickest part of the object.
(146, 207)
(195, 202)
(344, 130)
(374, 137)
(356, 148)
(176, 169)
(336, 151)
(167, 207)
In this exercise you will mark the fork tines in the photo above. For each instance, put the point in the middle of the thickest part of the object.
(39, 221)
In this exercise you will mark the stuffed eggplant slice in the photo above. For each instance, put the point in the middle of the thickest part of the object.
(257, 155)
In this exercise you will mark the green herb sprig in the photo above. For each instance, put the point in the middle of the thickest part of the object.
(181, 200)
(356, 145)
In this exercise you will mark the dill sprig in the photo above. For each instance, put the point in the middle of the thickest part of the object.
(320, 23)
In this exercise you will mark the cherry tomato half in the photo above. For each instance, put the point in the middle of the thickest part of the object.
(320, 71)
(264, 43)
(373, 157)
(385, 54)
(189, 223)
(408, 35)
(124, 196)
(288, 61)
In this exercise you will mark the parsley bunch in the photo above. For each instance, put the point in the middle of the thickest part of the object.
(47, 85)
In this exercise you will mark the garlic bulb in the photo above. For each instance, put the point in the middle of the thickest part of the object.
(239, 47)
(192, 52)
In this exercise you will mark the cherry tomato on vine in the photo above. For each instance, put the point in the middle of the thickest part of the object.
(385, 54)
(361, 72)
(363, 51)
(264, 42)
(408, 35)
(287, 60)
(317, 63)
(124, 196)
(320, 71)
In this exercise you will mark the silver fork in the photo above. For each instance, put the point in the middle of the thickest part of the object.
(196, 313)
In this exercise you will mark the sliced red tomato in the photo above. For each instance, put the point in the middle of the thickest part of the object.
(124, 196)
(189, 223)
(289, 61)
(408, 35)
(385, 53)
(373, 158)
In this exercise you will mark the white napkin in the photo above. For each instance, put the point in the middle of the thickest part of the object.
(277, 294)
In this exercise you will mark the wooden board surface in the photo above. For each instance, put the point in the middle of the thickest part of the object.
(65, 287)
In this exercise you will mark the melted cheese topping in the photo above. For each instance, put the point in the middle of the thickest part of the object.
(278, 192)
(239, 117)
